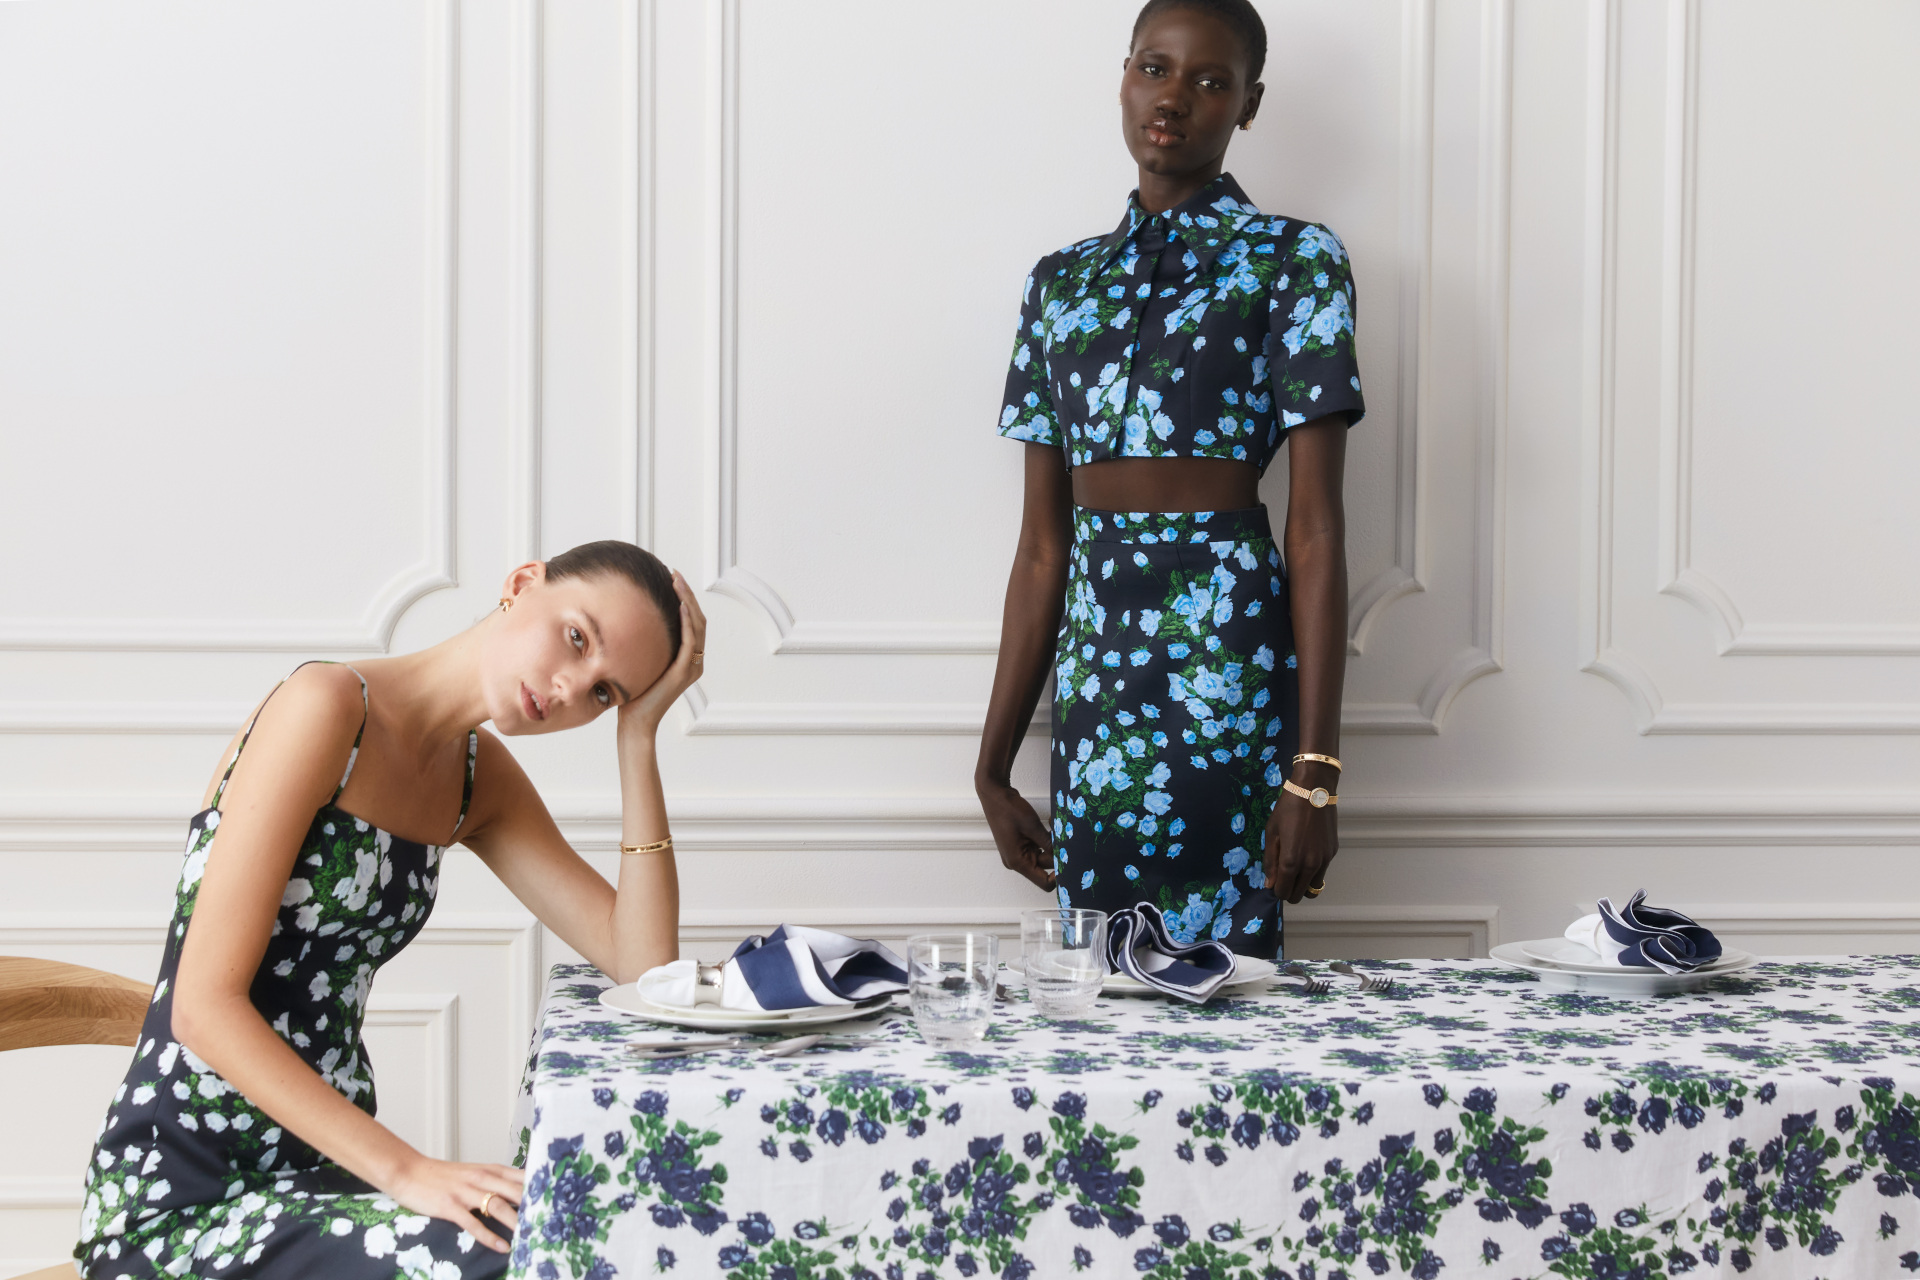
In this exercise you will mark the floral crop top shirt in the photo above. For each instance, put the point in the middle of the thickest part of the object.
(1205, 331)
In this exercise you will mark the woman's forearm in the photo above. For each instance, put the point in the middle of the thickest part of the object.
(1029, 624)
(1317, 593)
(646, 909)
(229, 1035)
(1316, 551)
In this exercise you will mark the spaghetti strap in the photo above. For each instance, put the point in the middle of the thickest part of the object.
(466, 792)
(221, 790)
(354, 754)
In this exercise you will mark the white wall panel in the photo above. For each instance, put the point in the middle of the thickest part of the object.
(1768, 458)
(232, 260)
(318, 318)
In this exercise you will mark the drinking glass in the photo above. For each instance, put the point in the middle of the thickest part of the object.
(1064, 950)
(950, 983)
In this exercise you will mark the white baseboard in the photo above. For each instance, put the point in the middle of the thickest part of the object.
(1473, 926)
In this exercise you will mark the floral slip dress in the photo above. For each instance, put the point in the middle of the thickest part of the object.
(188, 1177)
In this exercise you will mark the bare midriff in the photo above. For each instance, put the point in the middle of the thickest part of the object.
(1166, 484)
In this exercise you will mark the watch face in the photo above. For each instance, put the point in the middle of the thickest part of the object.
(1318, 798)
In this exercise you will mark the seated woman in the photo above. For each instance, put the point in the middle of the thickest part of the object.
(243, 1141)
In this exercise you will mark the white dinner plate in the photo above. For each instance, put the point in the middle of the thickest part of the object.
(1247, 972)
(1620, 982)
(711, 1017)
(1565, 953)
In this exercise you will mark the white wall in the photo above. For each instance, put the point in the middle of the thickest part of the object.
(315, 318)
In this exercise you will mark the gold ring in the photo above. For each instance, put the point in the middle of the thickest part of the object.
(1315, 890)
(482, 1211)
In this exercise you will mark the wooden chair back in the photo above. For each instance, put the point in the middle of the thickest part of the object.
(45, 1002)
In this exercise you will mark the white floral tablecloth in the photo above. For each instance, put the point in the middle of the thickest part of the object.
(1470, 1123)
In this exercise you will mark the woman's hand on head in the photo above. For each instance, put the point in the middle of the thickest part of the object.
(646, 712)
(455, 1193)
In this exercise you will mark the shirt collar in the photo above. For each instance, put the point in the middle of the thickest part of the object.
(1205, 222)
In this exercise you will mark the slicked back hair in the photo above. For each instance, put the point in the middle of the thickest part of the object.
(1239, 15)
(642, 568)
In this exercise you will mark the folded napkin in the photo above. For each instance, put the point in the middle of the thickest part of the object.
(790, 968)
(1640, 936)
(1139, 946)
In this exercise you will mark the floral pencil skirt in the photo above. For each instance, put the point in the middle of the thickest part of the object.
(1173, 720)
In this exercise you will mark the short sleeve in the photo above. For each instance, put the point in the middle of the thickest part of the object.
(1310, 344)
(1027, 413)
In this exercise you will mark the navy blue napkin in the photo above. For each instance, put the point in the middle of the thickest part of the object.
(1139, 946)
(1644, 937)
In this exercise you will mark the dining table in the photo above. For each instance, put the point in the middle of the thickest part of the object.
(1469, 1121)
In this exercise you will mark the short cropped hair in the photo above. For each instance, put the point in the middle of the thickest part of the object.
(1239, 15)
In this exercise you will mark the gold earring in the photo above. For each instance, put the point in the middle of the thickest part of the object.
(1246, 124)
(506, 604)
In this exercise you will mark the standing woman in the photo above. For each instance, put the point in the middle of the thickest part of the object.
(1197, 671)
(243, 1141)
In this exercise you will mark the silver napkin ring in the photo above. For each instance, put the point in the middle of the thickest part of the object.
(706, 982)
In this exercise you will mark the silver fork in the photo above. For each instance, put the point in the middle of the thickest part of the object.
(1308, 983)
(1367, 981)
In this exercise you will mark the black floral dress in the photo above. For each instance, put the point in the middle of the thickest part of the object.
(189, 1177)
(1208, 331)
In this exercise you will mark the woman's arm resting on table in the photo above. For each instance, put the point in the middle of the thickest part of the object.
(622, 931)
(1302, 840)
(1029, 624)
(291, 765)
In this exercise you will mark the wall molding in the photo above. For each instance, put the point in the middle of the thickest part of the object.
(517, 934)
(724, 572)
(35, 824)
(638, 274)
(123, 717)
(437, 1017)
(1733, 634)
(1796, 920)
(526, 267)
(964, 719)
(372, 630)
(1475, 926)
(1676, 574)
(434, 1015)
(790, 635)
(1407, 574)
(1846, 918)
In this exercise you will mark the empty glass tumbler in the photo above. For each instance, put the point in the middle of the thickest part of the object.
(1064, 953)
(950, 983)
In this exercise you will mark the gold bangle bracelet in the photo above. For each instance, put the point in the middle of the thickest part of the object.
(1314, 755)
(658, 846)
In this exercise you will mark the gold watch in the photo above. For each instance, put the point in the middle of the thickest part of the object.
(1319, 797)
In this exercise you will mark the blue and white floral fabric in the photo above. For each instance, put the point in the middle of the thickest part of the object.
(1174, 720)
(1469, 1123)
(1206, 331)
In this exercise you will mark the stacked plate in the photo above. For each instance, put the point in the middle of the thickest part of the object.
(711, 1017)
(1565, 965)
